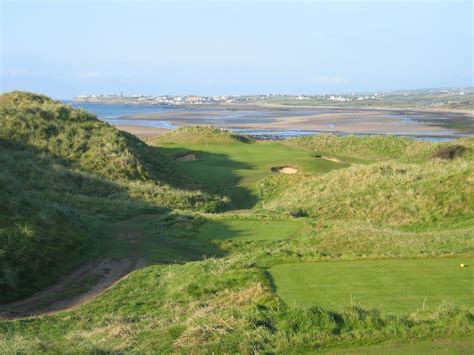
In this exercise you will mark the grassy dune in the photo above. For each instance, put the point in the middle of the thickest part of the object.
(371, 149)
(63, 172)
(396, 194)
(387, 224)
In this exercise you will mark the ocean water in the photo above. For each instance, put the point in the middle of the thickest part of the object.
(112, 114)
(142, 123)
(111, 111)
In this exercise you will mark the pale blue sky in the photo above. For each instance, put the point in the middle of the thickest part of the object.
(64, 48)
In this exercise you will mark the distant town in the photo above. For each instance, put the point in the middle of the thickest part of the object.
(461, 98)
(155, 100)
(205, 100)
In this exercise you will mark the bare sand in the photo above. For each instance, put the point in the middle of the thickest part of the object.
(286, 169)
(106, 271)
(143, 132)
(334, 160)
(352, 121)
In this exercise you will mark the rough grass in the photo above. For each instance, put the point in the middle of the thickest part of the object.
(200, 135)
(62, 169)
(375, 148)
(389, 193)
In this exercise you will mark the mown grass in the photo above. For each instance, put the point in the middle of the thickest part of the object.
(391, 285)
(232, 166)
(450, 346)
(248, 230)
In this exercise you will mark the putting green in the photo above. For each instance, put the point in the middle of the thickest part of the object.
(234, 169)
(391, 285)
(248, 230)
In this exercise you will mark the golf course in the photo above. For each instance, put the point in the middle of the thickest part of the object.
(204, 241)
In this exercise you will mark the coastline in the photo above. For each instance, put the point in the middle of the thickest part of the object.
(328, 120)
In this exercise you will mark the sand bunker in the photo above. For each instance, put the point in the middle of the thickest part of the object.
(289, 170)
(186, 157)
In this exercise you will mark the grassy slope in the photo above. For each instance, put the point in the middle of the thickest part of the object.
(61, 170)
(227, 303)
(388, 193)
(396, 183)
(374, 148)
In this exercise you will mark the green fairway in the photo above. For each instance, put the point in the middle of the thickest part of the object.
(153, 240)
(248, 230)
(391, 285)
(233, 168)
(450, 346)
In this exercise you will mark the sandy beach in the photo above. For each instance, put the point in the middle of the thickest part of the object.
(350, 121)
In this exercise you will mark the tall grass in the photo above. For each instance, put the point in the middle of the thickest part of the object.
(388, 193)
(61, 167)
(375, 148)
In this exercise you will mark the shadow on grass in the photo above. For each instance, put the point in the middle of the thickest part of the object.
(216, 173)
(51, 216)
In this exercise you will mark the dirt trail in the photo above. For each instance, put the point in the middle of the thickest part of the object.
(80, 285)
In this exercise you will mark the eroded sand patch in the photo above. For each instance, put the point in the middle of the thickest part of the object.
(81, 284)
(325, 157)
(285, 169)
(334, 160)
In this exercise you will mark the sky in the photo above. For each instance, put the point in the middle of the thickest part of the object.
(68, 48)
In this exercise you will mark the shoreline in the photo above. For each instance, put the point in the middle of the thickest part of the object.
(421, 123)
(291, 108)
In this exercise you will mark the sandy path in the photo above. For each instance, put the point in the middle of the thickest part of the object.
(95, 276)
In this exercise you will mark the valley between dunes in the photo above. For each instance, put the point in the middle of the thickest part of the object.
(203, 241)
